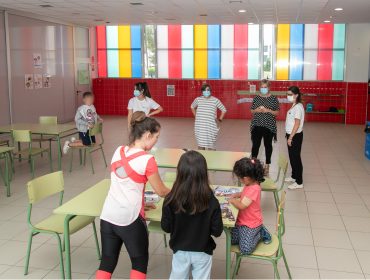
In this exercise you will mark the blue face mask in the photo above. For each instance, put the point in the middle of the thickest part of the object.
(136, 93)
(206, 93)
(264, 91)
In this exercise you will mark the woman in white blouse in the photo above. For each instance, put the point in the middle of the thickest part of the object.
(294, 134)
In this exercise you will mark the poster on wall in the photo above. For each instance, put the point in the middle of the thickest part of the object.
(37, 61)
(37, 81)
(83, 77)
(46, 81)
(28, 81)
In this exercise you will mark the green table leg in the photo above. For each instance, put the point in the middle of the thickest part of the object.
(228, 252)
(67, 246)
(59, 153)
(6, 175)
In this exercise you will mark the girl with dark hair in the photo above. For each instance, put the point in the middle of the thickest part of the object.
(265, 107)
(191, 214)
(249, 228)
(122, 220)
(204, 109)
(294, 134)
(143, 102)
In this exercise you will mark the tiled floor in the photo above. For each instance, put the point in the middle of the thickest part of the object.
(328, 223)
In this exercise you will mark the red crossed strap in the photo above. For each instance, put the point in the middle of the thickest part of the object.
(124, 163)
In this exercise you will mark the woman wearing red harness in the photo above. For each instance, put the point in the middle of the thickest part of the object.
(123, 217)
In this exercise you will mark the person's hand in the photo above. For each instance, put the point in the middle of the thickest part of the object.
(90, 125)
(234, 195)
(290, 141)
(100, 119)
(149, 206)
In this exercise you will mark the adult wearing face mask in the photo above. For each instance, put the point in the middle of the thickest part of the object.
(143, 102)
(265, 108)
(207, 124)
(294, 135)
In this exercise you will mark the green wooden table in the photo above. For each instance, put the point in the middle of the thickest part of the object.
(5, 153)
(90, 203)
(216, 160)
(56, 130)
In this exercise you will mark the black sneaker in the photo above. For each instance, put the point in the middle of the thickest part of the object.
(265, 235)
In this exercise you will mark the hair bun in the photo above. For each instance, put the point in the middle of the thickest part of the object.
(137, 117)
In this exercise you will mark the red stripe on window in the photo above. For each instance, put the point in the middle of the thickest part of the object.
(101, 43)
(325, 52)
(240, 51)
(174, 51)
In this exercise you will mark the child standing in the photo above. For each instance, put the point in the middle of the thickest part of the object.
(191, 214)
(86, 117)
(122, 220)
(143, 102)
(207, 124)
(249, 228)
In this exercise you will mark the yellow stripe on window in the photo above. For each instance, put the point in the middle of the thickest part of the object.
(282, 53)
(124, 46)
(200, 52)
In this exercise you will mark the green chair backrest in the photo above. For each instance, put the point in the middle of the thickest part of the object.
(45, 186)
(21, 136)
(48, 120)
(283, 169)
(280, 223)
(96, 130)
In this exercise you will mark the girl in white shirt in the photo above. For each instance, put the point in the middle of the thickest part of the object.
(122, 220)
(143, 102)
(294, 134)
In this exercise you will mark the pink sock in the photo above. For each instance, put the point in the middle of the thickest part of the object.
(134, 274)
(101, 274)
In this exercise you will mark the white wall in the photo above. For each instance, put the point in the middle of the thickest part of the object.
(357, 52)
(4, 96)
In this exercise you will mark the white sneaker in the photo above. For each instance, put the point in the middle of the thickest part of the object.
(66, 147)
(289, 180)
(73, 139)
(295, 186)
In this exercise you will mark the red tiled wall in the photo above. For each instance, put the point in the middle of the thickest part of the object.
(113, 94)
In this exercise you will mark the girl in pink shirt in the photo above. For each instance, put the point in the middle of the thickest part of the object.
(249, 228)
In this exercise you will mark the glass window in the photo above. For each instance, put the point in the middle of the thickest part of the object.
(150, 59)
(268, 47)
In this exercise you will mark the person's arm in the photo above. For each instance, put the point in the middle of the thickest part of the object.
(155, 112)
(242, 203)
(193, 110)
(254, 108)
(157, 184)
(222, 108)
(265, 110)
(216, 222)
(129, 116)
(166, 220)
(194, 106)
(276, 108)
(297, 122)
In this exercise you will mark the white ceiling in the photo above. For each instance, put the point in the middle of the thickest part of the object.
(87, 12)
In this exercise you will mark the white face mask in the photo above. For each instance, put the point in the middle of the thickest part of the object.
(290, 98)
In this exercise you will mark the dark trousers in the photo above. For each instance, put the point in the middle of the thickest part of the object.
(295, 157)
(259, 133)
(134, 236)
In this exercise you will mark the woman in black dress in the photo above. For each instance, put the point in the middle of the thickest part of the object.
(265, 108)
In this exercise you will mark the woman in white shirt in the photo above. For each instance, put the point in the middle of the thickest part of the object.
(294, 134)
(143, 102)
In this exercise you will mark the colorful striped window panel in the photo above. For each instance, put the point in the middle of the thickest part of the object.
(119, 51)
(310, 52)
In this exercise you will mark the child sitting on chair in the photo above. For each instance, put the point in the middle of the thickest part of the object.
(86, 117)
(249, 229)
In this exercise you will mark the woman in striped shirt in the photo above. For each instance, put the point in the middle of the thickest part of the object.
(204, 109)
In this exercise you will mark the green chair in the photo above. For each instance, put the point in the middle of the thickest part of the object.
(155, 227)
(44, 187)
(24, 136)
(97, 130)
(6, 155)
(169, 177)
(42, 138)
(268, 252)
(270, 185)
(4, 142)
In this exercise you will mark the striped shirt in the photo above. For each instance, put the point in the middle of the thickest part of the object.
(205, 128)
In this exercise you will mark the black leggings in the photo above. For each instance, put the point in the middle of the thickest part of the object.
(135, 238)
(295, 157)
(258, 133)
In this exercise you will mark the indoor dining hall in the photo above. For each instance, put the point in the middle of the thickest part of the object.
(173, 139)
